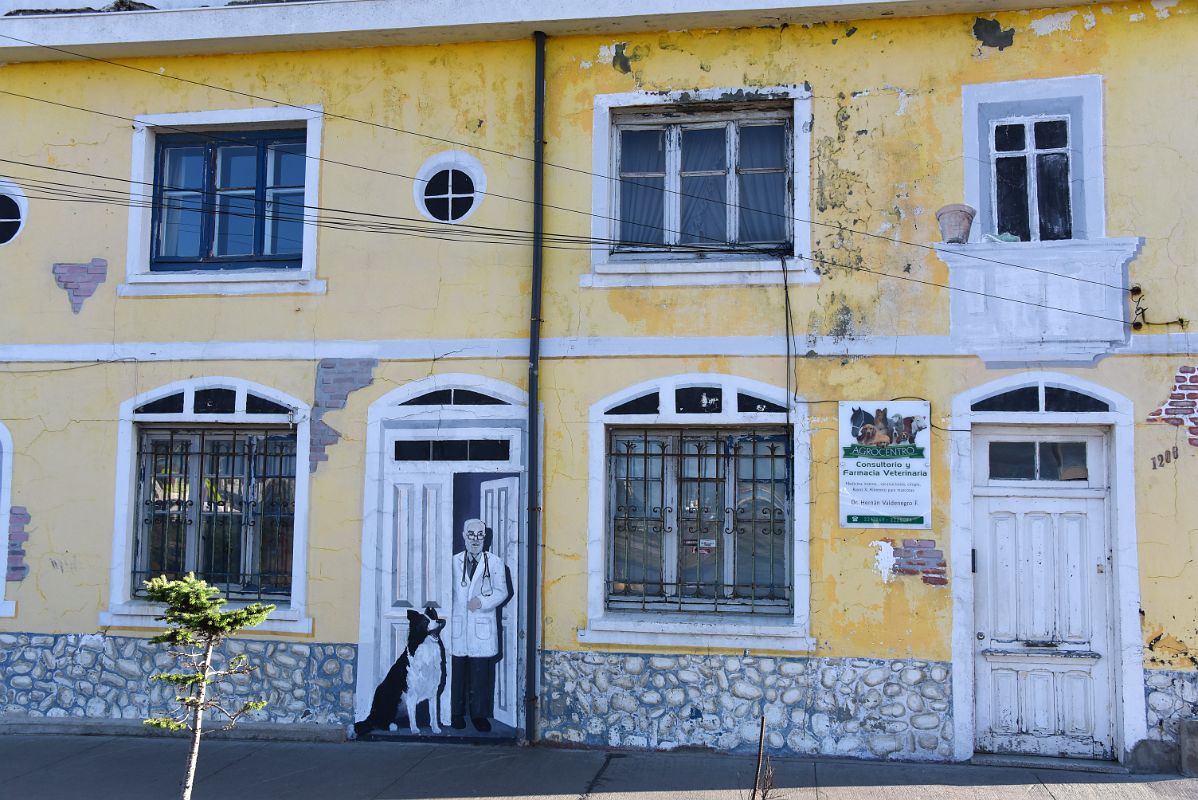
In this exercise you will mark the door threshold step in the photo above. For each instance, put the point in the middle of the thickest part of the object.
(1046, 762)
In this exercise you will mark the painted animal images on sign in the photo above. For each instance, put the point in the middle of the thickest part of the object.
(881, 429)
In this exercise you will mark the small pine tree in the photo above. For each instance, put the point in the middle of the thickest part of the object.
(195, 628)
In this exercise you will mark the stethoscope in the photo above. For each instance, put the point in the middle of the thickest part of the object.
(488, 586)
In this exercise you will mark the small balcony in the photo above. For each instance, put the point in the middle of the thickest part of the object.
(1039, 302)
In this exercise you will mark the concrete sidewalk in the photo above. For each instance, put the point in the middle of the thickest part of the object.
(48, 767)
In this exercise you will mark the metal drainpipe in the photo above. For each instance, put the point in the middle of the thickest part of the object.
(532, 665)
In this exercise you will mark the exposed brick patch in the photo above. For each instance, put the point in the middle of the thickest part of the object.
(1181, 407)
(335, 379)
(920, 557)
(80, 280)
(18, 518)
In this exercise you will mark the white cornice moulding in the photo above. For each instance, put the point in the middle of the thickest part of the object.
(271, 27)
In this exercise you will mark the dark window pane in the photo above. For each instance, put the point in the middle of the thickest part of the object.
(284, 221)
(1008, 138)
(441, 397)
(451, 450)
(1058, 399)
(1063, 461)
(287, 164)
(237, 167)
(762, 146)
(645, 404)
(1012, 198)
(1053, 133)
(490, 449)
(1025, 399)
(459, 206)
(763, 207)
(183, 168)
(699, 400)
(215, 401)
(1013, 461)
(465, 397)
(10, 218)
(438, 184)
(235, 222)
(642, 211)
(171, 404)
(643, 151)
(704, 150)
(8, 229)
(704, 210)
(438, 208)
(420, 450)
(1052, 190)
(260, 405)
(181, 226)
(747, 403)
(462, 183)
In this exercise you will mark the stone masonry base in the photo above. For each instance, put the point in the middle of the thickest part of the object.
(857, 707)
(97, 676)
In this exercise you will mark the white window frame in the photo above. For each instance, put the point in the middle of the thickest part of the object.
(141, 282)
(685, 629)
(1033, 100)
(125, 610)
(1028, 154)
(8, 608)
(676, 269)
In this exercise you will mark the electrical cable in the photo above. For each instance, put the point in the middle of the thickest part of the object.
(484, 149)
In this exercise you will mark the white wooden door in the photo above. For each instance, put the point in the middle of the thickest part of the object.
(500, 511)
(1042, 592)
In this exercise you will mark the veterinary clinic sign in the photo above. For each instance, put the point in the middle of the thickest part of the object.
(885, 469)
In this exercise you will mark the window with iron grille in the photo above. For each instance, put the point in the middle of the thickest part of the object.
(219, 502)
(698, 519)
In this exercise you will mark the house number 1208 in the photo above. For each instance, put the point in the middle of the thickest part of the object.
(1164, 458)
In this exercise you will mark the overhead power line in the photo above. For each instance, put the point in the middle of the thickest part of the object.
(484, 149)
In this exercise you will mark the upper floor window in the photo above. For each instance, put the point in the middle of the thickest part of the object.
(1036, 151)
(229, 200)
(13, 211)
(1030, 158)
(697, 179)
(230, 192)
(701, 187)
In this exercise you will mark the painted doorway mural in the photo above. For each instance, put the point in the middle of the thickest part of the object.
(440, 654)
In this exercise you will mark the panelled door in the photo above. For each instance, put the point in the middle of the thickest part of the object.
(1042, 592)
(500, 510)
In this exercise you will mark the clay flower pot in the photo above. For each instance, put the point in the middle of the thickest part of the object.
(955, 221)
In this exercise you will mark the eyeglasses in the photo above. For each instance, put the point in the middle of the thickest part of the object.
(475, 534)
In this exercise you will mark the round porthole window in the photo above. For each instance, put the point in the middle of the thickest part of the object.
(13, 210)
(449, 187)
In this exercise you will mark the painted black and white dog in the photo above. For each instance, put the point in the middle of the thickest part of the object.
(417, 676)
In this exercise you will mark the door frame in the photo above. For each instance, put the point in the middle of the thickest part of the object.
(1129, 721)
(388, 414)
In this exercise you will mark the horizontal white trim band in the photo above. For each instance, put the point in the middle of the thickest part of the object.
(1174, 344)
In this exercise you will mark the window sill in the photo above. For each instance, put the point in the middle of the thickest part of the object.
(242, 282)
(696, 630)
(706, 272)
(134, 614)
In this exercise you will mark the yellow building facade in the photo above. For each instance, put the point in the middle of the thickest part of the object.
(794, 455)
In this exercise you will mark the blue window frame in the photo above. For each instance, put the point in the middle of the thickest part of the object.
(229, 201)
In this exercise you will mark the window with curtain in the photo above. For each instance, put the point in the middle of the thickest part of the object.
(692, 181)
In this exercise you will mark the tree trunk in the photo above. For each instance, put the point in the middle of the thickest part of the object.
(197, 723)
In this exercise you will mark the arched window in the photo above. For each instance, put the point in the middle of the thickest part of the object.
(696, 511)
(217, 486)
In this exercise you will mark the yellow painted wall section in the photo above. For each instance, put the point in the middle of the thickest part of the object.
(886, 152)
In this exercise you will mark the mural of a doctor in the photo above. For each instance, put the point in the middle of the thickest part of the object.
(479, 588)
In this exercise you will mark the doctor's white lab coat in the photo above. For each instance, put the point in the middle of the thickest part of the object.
(476, 633)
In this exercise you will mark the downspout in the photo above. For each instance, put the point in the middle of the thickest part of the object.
(532, 664)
